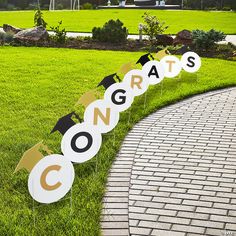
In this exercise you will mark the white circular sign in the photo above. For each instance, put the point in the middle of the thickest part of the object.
(137, 80)
(191, 62)
(172, 66)
(120, 96)
(155, 71)
(51, 179)
(101, 115)
(81, 142)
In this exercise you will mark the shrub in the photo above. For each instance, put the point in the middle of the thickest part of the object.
(87, 6)
(112, 31)
(38, 19)
(206, 39)
(59, 34)
(153, 26)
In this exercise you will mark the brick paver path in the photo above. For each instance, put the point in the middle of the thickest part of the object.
(176, 172)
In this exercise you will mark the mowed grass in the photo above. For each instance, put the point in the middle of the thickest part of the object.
(85, 20)
(40, 85)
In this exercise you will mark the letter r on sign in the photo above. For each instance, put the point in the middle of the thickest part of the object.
(136, 80)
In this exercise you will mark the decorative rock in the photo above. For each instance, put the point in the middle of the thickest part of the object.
(11, 29)
(32, 35)
(184, 37)
(164, 39)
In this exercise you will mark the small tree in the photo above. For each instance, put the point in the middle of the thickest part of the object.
(59, 34)
(38, 19)
(153, 26)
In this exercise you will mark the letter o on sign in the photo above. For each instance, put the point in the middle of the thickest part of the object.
(51, 179)
(81, 143)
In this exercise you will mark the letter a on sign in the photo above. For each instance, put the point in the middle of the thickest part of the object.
(155, 72)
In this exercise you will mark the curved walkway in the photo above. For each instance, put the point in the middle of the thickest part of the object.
(176, 172)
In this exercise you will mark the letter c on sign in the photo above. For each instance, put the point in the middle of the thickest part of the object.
(43, 181)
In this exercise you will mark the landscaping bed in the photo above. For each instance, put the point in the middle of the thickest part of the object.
(225, 51)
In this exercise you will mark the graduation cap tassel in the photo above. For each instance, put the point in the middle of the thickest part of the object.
(77, 117)
(118, 78)
(151, 56)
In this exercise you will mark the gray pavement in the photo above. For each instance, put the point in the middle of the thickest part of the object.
(229, 38)
(175, 173)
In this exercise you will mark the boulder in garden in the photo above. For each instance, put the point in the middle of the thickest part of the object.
(11, 29)
(164, 39)
(36, 34)
(184, 37)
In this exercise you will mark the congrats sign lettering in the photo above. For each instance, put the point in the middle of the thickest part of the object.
(52, 176)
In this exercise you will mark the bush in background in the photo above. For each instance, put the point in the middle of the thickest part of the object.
(153, 26)
(87, 6)
(112, 31)
(206, 39)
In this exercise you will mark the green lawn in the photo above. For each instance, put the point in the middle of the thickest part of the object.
(38, 86)
(85, 20)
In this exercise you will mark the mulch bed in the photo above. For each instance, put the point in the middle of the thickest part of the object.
(219, 51)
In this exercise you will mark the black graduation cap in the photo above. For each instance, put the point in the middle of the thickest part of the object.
(144, 59)
(65, 122)
(109, 80)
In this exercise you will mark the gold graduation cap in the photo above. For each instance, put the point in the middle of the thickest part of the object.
(88, 98)
(162, 53)
(32, 156)
(126, 68)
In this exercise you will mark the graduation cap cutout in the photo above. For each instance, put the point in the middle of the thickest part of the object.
(144, 59)
(109, 80)
(65, 122)
(126, 68)
(32, 156)
(88, 98)
(162, 53)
